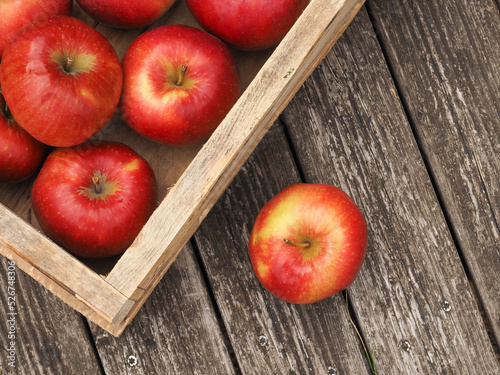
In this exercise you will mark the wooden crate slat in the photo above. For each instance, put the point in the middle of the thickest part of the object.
(56, 269)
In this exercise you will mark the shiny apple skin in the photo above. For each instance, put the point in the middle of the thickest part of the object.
(20, 153)
(58, 108)
(18, 13)
(248, 25)
(102, 225)
(126, 13)
(330, 221)
(182, 115)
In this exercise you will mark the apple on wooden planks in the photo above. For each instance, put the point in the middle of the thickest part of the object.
(126, 13)
(308, 243)
(61, 79)
(20, 153)
(93, 199)
(18, 13)
(248, 25)
(179, 84)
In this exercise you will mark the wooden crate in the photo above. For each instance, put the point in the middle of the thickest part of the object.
(111, 292)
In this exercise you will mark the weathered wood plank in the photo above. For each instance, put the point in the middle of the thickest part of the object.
(451, 89)
(176, 331)
(268, 335)
(49, 337)
(412, 297)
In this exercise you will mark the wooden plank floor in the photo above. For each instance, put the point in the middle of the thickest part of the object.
(404, 115)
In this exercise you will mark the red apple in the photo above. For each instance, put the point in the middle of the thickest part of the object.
(126, 13)
(179, 83)
(308, 243)
(20, 153)
(18, 13)
(247, 25)
(61, 79)
(94, 199)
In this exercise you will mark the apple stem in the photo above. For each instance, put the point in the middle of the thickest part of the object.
(303, 245)
(97, 184)
(69, 62)
(182, 73)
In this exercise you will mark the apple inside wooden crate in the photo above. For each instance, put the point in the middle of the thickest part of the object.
(110, 292)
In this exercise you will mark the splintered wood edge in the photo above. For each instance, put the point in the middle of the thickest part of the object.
(189, 201)
(59, 272)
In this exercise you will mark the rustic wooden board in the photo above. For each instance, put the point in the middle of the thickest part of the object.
(176, 331)
(412, 297)
(268, 335)
(51, 338)
(451, 91)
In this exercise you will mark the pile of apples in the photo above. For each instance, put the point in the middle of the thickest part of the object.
(61, 81)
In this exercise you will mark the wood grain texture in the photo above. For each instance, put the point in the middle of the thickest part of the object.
(412, 297)
(451, 90)
(268, 335)
(176, 331)
(50, 337)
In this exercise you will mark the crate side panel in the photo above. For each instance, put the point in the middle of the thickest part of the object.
(55, 268)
